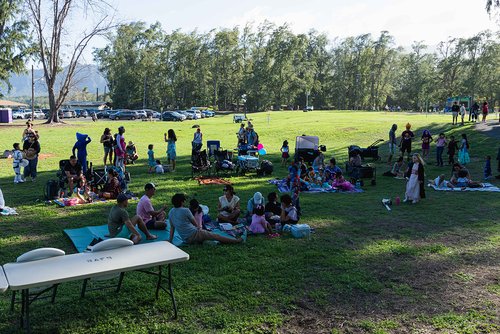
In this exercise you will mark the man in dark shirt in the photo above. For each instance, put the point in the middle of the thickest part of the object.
(31, 149)
(73, 171)
(406, 139)
(454, 111)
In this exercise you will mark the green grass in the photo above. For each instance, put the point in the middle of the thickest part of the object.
(419, 268)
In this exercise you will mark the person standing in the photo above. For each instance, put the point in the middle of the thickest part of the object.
(107, 143)
(415, 175)
(252, 137)
(197, 142)
(463, 154)
(29, 131)
(170, 138)
(485, 111)
(82, 140)
(440, 145)
(406, 139)
(392, 142)
(454, 111)
(426, 143)
(17, 156)
(120, 152)
(474, 112)
(31, 149)
(462, 113)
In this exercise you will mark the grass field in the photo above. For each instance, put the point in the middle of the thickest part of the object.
(426, 268)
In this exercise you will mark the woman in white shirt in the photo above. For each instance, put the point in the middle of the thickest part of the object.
(229, 206)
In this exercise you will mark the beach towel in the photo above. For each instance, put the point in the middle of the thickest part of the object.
(311, 188)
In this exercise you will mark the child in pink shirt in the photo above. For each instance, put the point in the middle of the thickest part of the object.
(259, 223)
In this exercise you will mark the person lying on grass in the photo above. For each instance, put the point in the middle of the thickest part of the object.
(121, 226)
(183, 220)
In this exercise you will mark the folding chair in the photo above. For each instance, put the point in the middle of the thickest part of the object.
(212, 146)
(36, 293)
(102, 246)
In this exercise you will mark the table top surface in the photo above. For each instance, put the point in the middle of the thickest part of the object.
(72, 267)
(3, 280)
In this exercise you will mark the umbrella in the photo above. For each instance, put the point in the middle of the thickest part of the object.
(6, 103)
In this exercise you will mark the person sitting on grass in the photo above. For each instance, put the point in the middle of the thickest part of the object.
(259, 223)
(229, 206)
(121, 226)
(74, 175)
(256, 200)
(463, 181)
(182, 220)
(112, 187)
(398, 169)
(197, 211)
(440, 182)
(159, 167)
(289, 213)
(331, 170)
(154, 219)
(131, 152)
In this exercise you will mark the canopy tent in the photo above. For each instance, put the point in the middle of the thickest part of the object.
(6, 103)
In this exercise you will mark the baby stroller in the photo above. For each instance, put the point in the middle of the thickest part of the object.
(200, 164)
(308, 148)
(223, 162)
(369, 152)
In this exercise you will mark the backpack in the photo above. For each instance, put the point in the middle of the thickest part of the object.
(51, 190)
(266, 168)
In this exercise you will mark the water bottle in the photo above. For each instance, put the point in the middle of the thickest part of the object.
(397, 200)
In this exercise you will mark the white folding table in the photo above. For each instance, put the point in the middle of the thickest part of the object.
(26, 275)
(3, 280)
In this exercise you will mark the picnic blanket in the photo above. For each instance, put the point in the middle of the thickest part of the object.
(486, 187)
(63, 202)
(211, 180)
(82, 237)
(311, 188)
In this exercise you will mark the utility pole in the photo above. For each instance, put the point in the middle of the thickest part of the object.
(97, 94)
(32, 93)
(144, 98)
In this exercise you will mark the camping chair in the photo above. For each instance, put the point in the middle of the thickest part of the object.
(36, 293)
(200, 164)
(212, 146)
(102, 246)
(223, 162)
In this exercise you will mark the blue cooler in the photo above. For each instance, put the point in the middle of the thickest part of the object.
(300, 231)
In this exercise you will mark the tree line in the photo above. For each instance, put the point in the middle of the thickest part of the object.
(270, 67)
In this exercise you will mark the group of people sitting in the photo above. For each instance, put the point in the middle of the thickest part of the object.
(189, 221)
(460, 178)
(318, 174)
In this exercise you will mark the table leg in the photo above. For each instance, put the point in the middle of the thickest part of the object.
(22, 309)
(25, 311)
(158, 284)
(170, 287)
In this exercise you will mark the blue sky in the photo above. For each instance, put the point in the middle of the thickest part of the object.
(430, 21)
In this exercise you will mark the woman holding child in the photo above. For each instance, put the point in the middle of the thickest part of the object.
(229, 206)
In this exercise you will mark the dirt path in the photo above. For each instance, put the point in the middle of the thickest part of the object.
(490, 128)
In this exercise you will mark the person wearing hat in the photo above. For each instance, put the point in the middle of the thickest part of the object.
(182, 220)
(256, 201)
(121, 226)
(154, 220)
(131, 152)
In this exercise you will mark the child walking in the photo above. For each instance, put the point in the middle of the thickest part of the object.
(285, 153)
(151, 158)
(16, 163)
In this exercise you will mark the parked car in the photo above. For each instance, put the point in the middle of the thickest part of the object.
(68, 113)
(208, 113)
(81, 113)
(143, 114)
(156, 114)
(185, 113)
(37, 115)
(172, 116)
(103, 114)
(17, 114)
(125, 114)
(238, 118)
(308, 108)
(191, 114)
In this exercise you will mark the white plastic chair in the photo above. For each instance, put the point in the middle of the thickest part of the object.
(102, 246)
(34, 255)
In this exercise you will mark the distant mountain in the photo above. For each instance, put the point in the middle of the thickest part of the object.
(85, 76)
